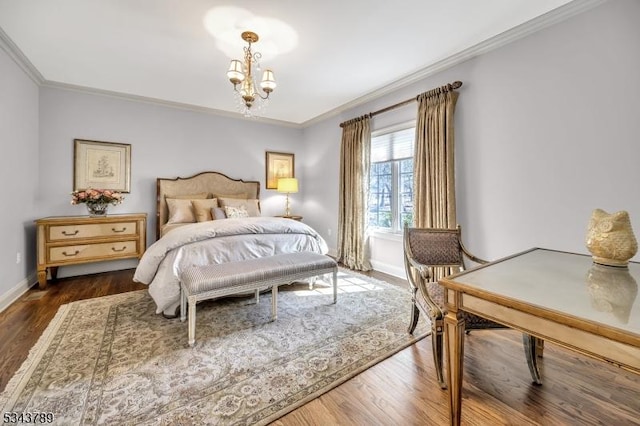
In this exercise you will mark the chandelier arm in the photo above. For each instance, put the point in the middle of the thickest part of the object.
(263, 97)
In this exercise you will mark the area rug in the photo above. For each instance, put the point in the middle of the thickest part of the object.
(112, 360)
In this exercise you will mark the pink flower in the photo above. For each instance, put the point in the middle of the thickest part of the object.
(96, 196)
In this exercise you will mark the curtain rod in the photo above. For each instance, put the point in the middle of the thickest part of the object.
(447, 87)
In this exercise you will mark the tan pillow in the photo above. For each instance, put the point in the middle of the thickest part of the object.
(198, 196)
(202, 208)
(235, 212)
(180, 211)
(251, 206)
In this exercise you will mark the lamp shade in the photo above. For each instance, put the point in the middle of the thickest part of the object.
(235, 73)
(288, 185)
(268, 82)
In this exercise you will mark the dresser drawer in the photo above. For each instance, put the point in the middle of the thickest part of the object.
(90, 251)
(69, 232)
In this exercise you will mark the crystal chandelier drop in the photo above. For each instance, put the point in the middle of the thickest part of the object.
(250, 100)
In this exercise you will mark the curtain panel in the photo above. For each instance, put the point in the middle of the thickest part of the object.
(434, 171)
(354, 186)
(434, 167)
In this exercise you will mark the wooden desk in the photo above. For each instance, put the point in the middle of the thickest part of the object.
(71, 240)
(560, 297)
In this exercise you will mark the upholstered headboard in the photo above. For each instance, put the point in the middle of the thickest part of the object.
(214, 183)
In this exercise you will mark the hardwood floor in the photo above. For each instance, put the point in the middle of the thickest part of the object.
(401, 390)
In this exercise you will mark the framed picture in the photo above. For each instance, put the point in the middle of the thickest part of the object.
(279, 165)
(101, 165)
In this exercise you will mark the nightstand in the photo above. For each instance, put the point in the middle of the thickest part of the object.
(294, 217)
(71, 240)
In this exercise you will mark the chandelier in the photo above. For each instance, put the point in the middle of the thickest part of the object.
(241, 74)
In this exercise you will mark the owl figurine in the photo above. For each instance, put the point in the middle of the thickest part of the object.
(610, 238)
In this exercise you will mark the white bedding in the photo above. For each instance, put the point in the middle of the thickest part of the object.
(218, 241)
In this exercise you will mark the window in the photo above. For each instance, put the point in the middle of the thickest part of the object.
(391, 178)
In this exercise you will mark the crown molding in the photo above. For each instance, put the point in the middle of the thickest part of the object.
(553, 17)
(19, 58)
(165, 103)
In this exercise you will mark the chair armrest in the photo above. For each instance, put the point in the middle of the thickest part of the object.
(471, 256)
(422, 269)
(477, 259)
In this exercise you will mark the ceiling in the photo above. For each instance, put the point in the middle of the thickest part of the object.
(326, 55)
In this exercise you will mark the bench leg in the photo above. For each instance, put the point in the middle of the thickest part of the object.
(257, 296)
(335, 285)
(192, 320)
(183, 304)
(274, 303)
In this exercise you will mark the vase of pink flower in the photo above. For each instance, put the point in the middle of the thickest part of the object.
(97, 200)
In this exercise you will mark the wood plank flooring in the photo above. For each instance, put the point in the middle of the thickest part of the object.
(402, 389)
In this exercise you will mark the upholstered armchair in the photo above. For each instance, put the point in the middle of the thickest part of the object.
(430, 254)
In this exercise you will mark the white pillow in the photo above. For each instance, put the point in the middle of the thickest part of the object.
(251, 206)
(236, 212)
(180, 211)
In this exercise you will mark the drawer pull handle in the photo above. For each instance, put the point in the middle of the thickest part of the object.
(71, 254)
(70, 234)
(119, 230)
(116, 250)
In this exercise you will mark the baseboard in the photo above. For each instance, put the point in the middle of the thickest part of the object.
(388, 269)
(18, 290)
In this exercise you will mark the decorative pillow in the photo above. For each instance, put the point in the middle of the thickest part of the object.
(218, 213)
(235, 212)
(251, 206)
(180, 211)
(202, 208)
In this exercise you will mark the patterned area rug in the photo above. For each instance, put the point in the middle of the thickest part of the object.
(112, 360)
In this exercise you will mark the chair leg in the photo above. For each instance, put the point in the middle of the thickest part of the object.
(437, 341)
(530, 345)
(415, 312)
(539, 348)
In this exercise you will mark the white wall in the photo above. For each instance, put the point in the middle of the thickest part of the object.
(165, 142)
(547, 129)
(19, 174)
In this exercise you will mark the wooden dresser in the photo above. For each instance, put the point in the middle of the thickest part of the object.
(71, 240)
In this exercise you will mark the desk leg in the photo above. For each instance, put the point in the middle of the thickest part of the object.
(454, 335)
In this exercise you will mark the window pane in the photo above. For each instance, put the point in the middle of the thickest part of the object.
(385, 168)
(379, 194)
(391, 180)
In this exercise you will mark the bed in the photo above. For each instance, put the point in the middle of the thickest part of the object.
(211, 218)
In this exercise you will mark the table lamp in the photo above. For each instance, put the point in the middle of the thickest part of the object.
(288, 185)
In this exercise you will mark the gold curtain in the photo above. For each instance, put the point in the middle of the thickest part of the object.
(434, 172)
(354, 186)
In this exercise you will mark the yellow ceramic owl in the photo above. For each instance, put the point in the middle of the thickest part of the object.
(610, 238)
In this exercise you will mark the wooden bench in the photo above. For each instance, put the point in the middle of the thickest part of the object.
(217, 280)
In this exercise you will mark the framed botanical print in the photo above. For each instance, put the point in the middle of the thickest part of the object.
(278, 165)
(101, 165)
